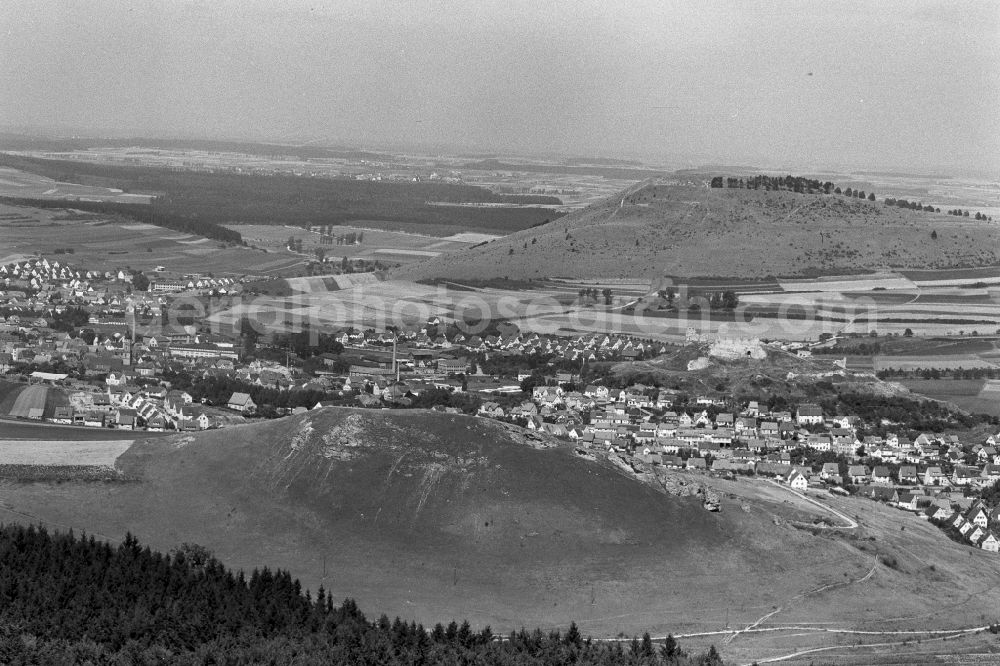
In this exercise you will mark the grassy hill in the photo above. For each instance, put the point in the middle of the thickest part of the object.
(687, 231)
(429, 515)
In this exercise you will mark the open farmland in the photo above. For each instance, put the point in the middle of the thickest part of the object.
(554, 305)
(21, 184)
(376, 244)
(227, 197)
(103, 243)
(973, 395)
(31, 399)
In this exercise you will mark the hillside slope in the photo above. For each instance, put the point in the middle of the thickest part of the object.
(430, 516)
(687, 231)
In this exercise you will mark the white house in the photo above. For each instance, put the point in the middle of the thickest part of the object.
(797, 481)
(241, 402)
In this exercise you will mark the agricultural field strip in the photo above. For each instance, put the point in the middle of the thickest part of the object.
(60, 453)
(847, 285)
(23, 184)
(833, 630)
(32, 397)
(857, 646)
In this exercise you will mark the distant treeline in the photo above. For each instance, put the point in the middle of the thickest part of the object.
(937, 373)
(19, 142)
(912, 205)
(958, 212)
(154, 213)
(235, 198)
(789, 183)
(613, 172)
(918, 205)
(69, 600)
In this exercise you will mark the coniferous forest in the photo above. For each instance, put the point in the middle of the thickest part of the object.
(71, 600)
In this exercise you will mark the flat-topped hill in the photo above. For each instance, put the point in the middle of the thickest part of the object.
(687, 231)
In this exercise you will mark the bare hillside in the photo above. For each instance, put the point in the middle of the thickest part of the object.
(688, 231)
(432, 516)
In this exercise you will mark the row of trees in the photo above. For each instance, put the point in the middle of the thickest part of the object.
(958, 212)
(935, 373)
(65, 599)
(912, 205)
(788, 183)
(717, 300)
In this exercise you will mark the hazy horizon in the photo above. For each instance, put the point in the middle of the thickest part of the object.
(906, 86)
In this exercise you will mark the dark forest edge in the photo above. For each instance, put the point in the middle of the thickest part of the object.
(190, 199)
(148, 213)
(68, 599)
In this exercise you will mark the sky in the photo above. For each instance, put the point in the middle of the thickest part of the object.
(908, 85)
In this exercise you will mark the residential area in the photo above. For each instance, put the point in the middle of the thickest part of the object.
(76, 334)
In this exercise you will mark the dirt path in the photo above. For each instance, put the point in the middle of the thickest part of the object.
(851, 523)
(952, 634)
(751, 628)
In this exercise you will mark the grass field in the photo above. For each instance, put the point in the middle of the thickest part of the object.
(9, 391)
(62, 452)
(973, 395)
(914, 346)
